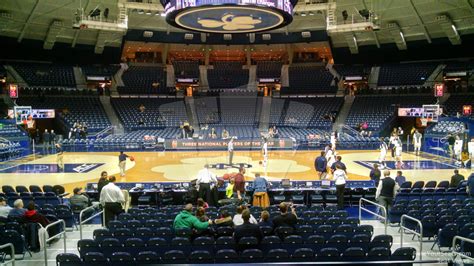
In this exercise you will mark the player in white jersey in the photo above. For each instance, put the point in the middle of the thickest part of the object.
(417, 141)
(383, 153)
(333, 140)
(398, 154)
(458, 148)
(265, 153)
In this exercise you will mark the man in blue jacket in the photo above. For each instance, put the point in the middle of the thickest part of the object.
(321, 165)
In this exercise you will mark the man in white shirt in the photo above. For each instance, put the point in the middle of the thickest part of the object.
(417, 142)
(4, 208)
(111, 197)
(265, 152)
(230, 149)
(204, 180)
(340, 177)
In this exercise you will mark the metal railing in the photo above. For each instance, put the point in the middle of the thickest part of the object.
(384, 216)
(463, 255)
(45, 241)
(12, 254)
(419, 234)
(81, 222)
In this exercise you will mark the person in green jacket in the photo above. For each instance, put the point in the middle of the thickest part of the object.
(185, 219)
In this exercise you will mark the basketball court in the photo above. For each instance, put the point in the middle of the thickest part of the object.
(181, 166)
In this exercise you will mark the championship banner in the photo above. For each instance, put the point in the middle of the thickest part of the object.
(243, 144)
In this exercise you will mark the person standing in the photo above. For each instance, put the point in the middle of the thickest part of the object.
(52, 138)
(204, 180)
(386, 191)
(265, 152)
(46, 140)
(383, 152)
(230, 149)
(451, 141)
(320, 164)
(340, 178)
(111, 197)
(122, 163)
(417, 142)
(456, 179)
(333, 140)
(103, 181)
(59, 157)
(239, 184)
(340, 163)
(375, 174)
(260, 195)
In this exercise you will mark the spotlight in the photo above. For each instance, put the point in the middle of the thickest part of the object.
(311, 13)
(303, 14)
(140, 11)
(148, 13)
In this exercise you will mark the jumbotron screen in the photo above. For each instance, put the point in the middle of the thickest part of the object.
(228, 16)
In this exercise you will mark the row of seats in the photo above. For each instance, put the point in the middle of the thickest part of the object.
(10, 130)
(10, 150)
(186, 69)
(43, 74)
(87, 110)
(159, 112)
(269, 69)
(352, 70)
(455, 103)
(309, 79)
(232, 256)
(227, 75)
(405, 74)
(100, 70)
(144, 80)
(379, 110)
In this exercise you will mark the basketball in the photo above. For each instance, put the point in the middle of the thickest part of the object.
(132, 158)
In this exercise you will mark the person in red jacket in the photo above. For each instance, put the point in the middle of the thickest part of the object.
(32, 216)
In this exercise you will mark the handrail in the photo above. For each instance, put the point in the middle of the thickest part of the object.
(384, 217)
(461, 254)
(420, 234)
(81, 222)
(45, 241)
(12, 254)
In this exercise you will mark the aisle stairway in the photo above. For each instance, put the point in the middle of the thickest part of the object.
(113, 118)
(344, 112)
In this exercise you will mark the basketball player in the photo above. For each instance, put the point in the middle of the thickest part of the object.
(265, 152)
(458, 148)
(230, 149)
(383, 153)
(122, 163)
(333, 140)
(398, 153)
(392, 141)
(59, 157)
(417, 142)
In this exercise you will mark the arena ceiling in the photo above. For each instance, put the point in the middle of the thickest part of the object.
(51, 20)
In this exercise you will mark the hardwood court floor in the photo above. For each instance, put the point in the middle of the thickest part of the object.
(82, 168)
